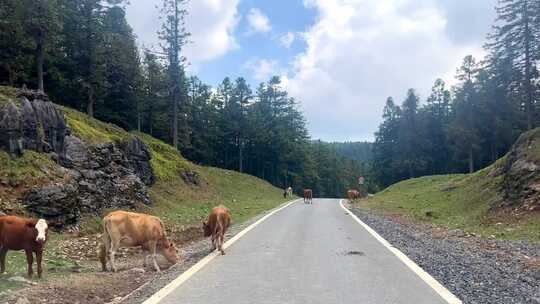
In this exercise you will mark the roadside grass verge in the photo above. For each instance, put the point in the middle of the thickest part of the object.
(459, 201)
(54, 267)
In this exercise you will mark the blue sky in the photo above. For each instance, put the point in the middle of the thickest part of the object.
(340, 58)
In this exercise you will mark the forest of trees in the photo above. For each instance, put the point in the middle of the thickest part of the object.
(83, 54)
(468, 126)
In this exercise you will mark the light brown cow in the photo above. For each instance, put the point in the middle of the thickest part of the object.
(129, 229)
(308, 196)
(17, 233)
(353, 194)
(216, 225)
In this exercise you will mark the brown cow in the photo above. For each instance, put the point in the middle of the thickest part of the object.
(216, 225)
(308, 196)
(129, 229)
(18, 233)
(353, 194)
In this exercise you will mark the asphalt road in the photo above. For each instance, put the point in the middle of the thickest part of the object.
(306, 254)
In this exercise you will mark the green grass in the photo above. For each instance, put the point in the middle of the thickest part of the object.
(460, 201)
(92, 130)
(53, 266)
(8, 94)
(28, 168)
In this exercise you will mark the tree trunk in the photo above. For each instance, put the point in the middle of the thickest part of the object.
(471, 160)
(240, 155)
(528, 87)
(175, 77)
(90, 105)
(39, 60)
(139, 120)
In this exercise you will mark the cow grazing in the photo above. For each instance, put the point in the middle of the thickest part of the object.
(216, 225)
(353, 195)
(129, 229)
(30, 235)
(308, 196)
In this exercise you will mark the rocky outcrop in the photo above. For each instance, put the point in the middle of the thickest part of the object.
(96, 177)
(35, 125)
(521, 169)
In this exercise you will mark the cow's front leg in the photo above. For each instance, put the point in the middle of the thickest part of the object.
(153, 247)
(39, 255)
(3, 253)
(30, 261)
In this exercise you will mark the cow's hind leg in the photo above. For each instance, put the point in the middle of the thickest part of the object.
(3, 253)
(112, 251)
(220, 243)
(213, 242)
(30, 261)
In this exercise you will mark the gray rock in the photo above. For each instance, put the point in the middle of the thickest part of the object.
(108, 175)
(139, 157)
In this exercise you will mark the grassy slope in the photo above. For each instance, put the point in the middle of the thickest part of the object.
(456, 201)
(181, 205)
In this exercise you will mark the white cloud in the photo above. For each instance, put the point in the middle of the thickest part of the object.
(258, 22)
(287, 39)
(262, 69)
(211, 23)
(361, 51)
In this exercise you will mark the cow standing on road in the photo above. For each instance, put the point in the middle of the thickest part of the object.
(216, 225)
(129, 229)
(30, 235)
(308, 196)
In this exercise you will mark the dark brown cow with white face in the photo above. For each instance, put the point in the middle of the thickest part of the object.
(30, 235)
(216, 225)
(129, 229)
(353, 194)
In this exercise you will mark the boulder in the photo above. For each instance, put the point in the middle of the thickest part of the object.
(139, 157)
(521, 168)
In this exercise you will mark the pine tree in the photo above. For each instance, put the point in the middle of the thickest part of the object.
(174, 37)
(516, 38)
(41, 22)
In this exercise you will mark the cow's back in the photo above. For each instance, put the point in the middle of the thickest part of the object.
(15, 233)
(220, 216)
(139, 228)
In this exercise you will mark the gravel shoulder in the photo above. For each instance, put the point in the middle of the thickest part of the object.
(476, 270)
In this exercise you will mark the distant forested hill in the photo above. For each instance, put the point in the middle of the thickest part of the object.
(359, 151)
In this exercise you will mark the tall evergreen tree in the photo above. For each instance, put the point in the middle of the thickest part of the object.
(516, 37)
(174, 37)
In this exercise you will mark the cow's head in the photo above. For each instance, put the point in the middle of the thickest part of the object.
(207, 231)
(169, 251)
(42, 231)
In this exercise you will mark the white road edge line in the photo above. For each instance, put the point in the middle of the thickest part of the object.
(162, 293)
(426, 277)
